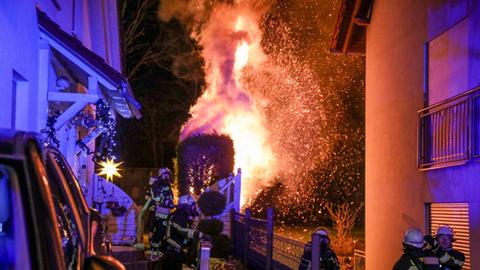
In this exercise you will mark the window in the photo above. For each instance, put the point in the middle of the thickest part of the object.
(20, 100)
(456, 215)
(448, 63)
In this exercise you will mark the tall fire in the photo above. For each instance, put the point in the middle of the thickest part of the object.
(231, 43)
(293, 111)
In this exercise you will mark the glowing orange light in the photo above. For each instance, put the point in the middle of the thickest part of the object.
(109, 169)
(228, 108)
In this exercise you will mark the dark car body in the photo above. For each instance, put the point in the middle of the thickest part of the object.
(44, 220)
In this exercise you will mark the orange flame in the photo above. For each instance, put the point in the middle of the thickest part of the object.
(226, 106)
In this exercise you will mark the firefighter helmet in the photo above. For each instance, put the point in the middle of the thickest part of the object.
(413, 237)
(323, 232)
(444, 229)
(186, 200)
(164, 171)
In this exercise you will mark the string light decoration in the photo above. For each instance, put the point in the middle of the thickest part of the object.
(48, 134)
(105, 118)
(84, 119)
(109, 169)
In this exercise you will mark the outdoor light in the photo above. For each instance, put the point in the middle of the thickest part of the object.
(109, 169)
(63, 83)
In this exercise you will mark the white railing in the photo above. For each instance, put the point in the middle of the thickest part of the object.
(359, 259)
(231, 188)
(204, 255)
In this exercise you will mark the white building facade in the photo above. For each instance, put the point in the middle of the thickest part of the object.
(62, 57)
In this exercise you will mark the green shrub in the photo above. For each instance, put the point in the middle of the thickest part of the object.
(211, 203)
(210, 226)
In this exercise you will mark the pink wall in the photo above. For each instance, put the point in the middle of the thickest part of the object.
(394, 83)
(396, 191)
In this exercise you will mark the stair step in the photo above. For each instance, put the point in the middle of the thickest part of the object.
(127, 254)
(138, 265)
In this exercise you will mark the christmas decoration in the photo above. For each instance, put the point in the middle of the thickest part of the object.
(48, 134)
(105, 119)
(84, 119)
(109, 169)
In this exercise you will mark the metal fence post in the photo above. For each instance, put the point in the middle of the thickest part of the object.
(204, 255)
(237, 189)
(248, 214)
(315, 251)
(232, 228)
(270, 217)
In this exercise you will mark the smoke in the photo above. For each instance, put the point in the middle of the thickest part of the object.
(195, 14)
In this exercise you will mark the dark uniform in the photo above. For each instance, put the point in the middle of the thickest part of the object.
(413, 259)
(328, 260)
(180, 239)
(450, 259)
(160, 205)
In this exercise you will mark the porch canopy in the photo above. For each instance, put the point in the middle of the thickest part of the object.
(78, 66)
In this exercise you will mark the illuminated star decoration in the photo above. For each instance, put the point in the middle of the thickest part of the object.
(109, 169)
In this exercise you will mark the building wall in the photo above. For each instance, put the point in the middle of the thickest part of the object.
(94, 22)
(396, 191)
(455, 24)
(19, 54)
(460, 183)
(394, 83)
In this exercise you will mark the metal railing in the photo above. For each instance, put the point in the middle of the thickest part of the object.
(449, 130)
(359, 259)
(289, 252)
(259, 248)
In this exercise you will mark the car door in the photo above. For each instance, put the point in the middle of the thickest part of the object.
(32, 224)
(14, 252)
(54, 156)
(74, 243)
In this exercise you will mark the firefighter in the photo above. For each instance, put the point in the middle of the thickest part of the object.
(160, 204)
(181, 234)
(441, 246)
(328, 258)
(414, 257)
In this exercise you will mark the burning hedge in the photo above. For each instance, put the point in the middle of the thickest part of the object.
(202, 160)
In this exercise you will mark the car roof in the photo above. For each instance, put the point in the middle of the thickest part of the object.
(12, 142)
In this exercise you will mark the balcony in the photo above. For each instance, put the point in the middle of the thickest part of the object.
(449, 131)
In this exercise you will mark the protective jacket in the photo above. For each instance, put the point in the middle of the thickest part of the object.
(450, 259)
(413, 259)
(160, 203)
(328, 260)
(180, 233)
(162, 198)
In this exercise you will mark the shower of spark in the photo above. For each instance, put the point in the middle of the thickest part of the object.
(285, 118)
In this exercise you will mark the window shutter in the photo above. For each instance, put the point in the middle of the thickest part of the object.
(456, 215)
(448, 63)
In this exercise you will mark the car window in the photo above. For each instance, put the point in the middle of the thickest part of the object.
(41, 217)
(72, 182)
(68, 218)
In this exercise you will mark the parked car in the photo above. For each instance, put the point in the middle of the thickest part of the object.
(44, 220)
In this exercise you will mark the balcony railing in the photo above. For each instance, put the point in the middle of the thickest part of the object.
(449, 130)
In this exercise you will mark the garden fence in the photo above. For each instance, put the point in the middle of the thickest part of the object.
(259, 248)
